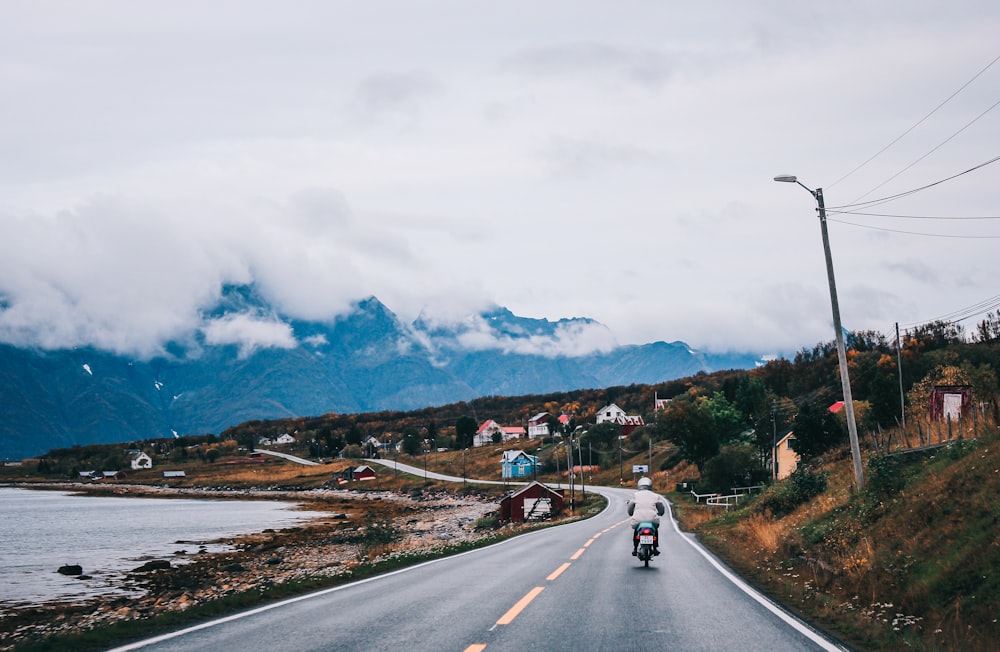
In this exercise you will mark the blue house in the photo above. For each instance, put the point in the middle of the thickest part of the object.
(517, 464)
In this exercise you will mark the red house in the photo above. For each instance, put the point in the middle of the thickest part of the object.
(363, 473)
(535, 501)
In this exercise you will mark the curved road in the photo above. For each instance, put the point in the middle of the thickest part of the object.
(573, 587)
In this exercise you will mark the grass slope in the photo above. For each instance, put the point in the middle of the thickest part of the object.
(909, 563)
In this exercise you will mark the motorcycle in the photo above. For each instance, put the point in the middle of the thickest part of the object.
(645, 535)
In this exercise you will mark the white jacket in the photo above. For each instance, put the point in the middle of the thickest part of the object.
(646, 505)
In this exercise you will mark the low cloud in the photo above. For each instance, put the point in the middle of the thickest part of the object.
(249, 333)
(572, 339)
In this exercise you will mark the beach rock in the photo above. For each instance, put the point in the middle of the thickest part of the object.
(71, 569)
(154, 565)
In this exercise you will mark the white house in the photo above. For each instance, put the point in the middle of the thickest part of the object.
(484, 436)
(611, 413)
(285, 439)
(538, 426)
(141, 461)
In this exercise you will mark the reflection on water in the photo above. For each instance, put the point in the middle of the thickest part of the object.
(108, 536)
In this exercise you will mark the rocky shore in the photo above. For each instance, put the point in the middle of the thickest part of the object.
(362, 527)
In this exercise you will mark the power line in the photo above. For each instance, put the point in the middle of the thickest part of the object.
(884, 200)
(981, 308)
(917, 124)
(933, 149)
(916, 217)
(926, 235)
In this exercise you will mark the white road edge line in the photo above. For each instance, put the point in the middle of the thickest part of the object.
(798, 625)
(333, 589)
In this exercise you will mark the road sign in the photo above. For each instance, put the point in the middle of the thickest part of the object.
(640, 468)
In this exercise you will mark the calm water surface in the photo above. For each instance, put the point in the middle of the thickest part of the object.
(108, 536)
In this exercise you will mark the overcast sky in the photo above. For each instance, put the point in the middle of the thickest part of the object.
(611, 160)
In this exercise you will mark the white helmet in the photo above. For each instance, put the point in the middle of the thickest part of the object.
(645, 483)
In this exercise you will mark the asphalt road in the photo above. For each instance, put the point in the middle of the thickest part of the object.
(573, 587)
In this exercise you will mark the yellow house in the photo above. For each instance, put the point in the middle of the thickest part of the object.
(785, 457)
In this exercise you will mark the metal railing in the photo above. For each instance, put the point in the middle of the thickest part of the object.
(725, 501)
(698, 496)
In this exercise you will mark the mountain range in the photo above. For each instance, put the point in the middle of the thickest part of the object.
(367, 360)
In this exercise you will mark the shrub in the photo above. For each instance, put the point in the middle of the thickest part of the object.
(800, 487)
(734, 466)
(378, 534)
(885, 475)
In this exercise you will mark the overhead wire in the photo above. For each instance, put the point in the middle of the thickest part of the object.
(884, 200)
(918, 217)
(933, 149)
(917, 124)
(962, 314)
(926, 235)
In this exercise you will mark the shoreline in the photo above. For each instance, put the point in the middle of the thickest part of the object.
(362, 528)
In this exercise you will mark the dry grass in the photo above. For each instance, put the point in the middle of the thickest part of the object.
(764, 531)
(885, 569)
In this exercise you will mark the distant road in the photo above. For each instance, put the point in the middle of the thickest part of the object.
(573, 587)
(290, 458)
(431, 475)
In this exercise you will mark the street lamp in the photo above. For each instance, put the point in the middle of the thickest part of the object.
(845, 380)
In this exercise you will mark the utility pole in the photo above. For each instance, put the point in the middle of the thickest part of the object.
(569, 468)
(845, 379)
(621, 472)
(899, 371)
(774, 441)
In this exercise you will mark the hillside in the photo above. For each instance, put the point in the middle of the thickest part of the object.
(910, 563)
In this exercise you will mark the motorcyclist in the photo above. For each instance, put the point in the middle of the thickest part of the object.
(645, 506)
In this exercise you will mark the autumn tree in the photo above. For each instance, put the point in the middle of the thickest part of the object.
(817, 430)
(465, 431)
(689, 425)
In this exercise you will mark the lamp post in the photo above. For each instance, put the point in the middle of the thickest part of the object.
(621, 471)
(572, 479)
(845, 380)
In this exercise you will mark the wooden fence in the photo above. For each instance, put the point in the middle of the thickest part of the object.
(923, 432)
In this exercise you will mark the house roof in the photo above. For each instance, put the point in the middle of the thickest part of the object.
(541, 416)
(364, 467)
(788, 435)
(837, 407)
(511, 430)
(532, 484)
(514, 455)
(487, 424)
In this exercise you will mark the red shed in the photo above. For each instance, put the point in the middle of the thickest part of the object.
(535, 501)
(363, 473)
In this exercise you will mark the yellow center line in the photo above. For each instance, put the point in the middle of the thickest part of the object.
(513, 612)
(587, 545)
(476, 647)
(557, 572)
(598, 534)
(578, 554)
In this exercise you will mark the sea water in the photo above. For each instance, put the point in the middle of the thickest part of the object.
(108, 536)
